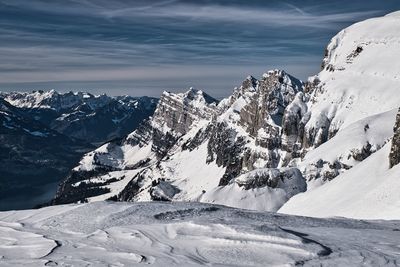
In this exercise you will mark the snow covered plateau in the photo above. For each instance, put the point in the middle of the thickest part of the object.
(189, 234)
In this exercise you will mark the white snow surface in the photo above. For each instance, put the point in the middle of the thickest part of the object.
(367, 191)
(361, 98)
(261, 198)
(362, 84)
(376, 130)
(189, 234)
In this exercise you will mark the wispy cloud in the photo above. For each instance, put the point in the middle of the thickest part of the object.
(291, 16)
(209, 43)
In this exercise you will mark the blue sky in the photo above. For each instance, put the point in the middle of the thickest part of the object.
(145, 47)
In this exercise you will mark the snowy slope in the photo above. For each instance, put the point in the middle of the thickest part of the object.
(367, 191)
(347, 148)
(189, 234)
(358, 93)
(360, 75)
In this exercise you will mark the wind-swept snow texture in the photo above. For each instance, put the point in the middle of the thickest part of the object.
(189, 234)
(369, 190)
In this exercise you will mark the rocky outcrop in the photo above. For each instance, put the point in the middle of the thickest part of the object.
(394, 157)
(172, 118)
(162, 190)
(274, 92)
(177, 112)
(293, 123)
(225, 147)
(290, 179)
(324, 170)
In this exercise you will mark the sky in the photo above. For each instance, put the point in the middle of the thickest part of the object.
(145, 47)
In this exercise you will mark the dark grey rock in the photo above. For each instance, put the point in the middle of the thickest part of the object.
(394, 156)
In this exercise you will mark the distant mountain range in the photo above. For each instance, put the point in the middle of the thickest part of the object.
(44, 134)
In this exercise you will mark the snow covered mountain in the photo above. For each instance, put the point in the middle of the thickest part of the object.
(358, 94)
(189, 234)
(44, 134)
(194, 149)
(94, 119)
(274, 139)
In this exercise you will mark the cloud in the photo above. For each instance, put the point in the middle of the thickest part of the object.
(292, 16)
(202, 11)
(155, 44)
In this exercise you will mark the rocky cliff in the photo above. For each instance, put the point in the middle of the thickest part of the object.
(394, 156)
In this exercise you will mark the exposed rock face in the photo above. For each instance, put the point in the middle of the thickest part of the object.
(162, 191)
(177, 112)
(274, 92)
(285, 178)
(133, 187)
(324, 170)
(226, 149)
(293, 123)
(394, 157)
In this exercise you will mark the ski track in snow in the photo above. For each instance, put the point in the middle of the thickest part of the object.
(187, 234)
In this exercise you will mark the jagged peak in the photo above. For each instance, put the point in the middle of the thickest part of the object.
(251, 78)
(249, 83)
(274, 72)
(280, 74)
(192, 95)
(283, 78)
(176, 112)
